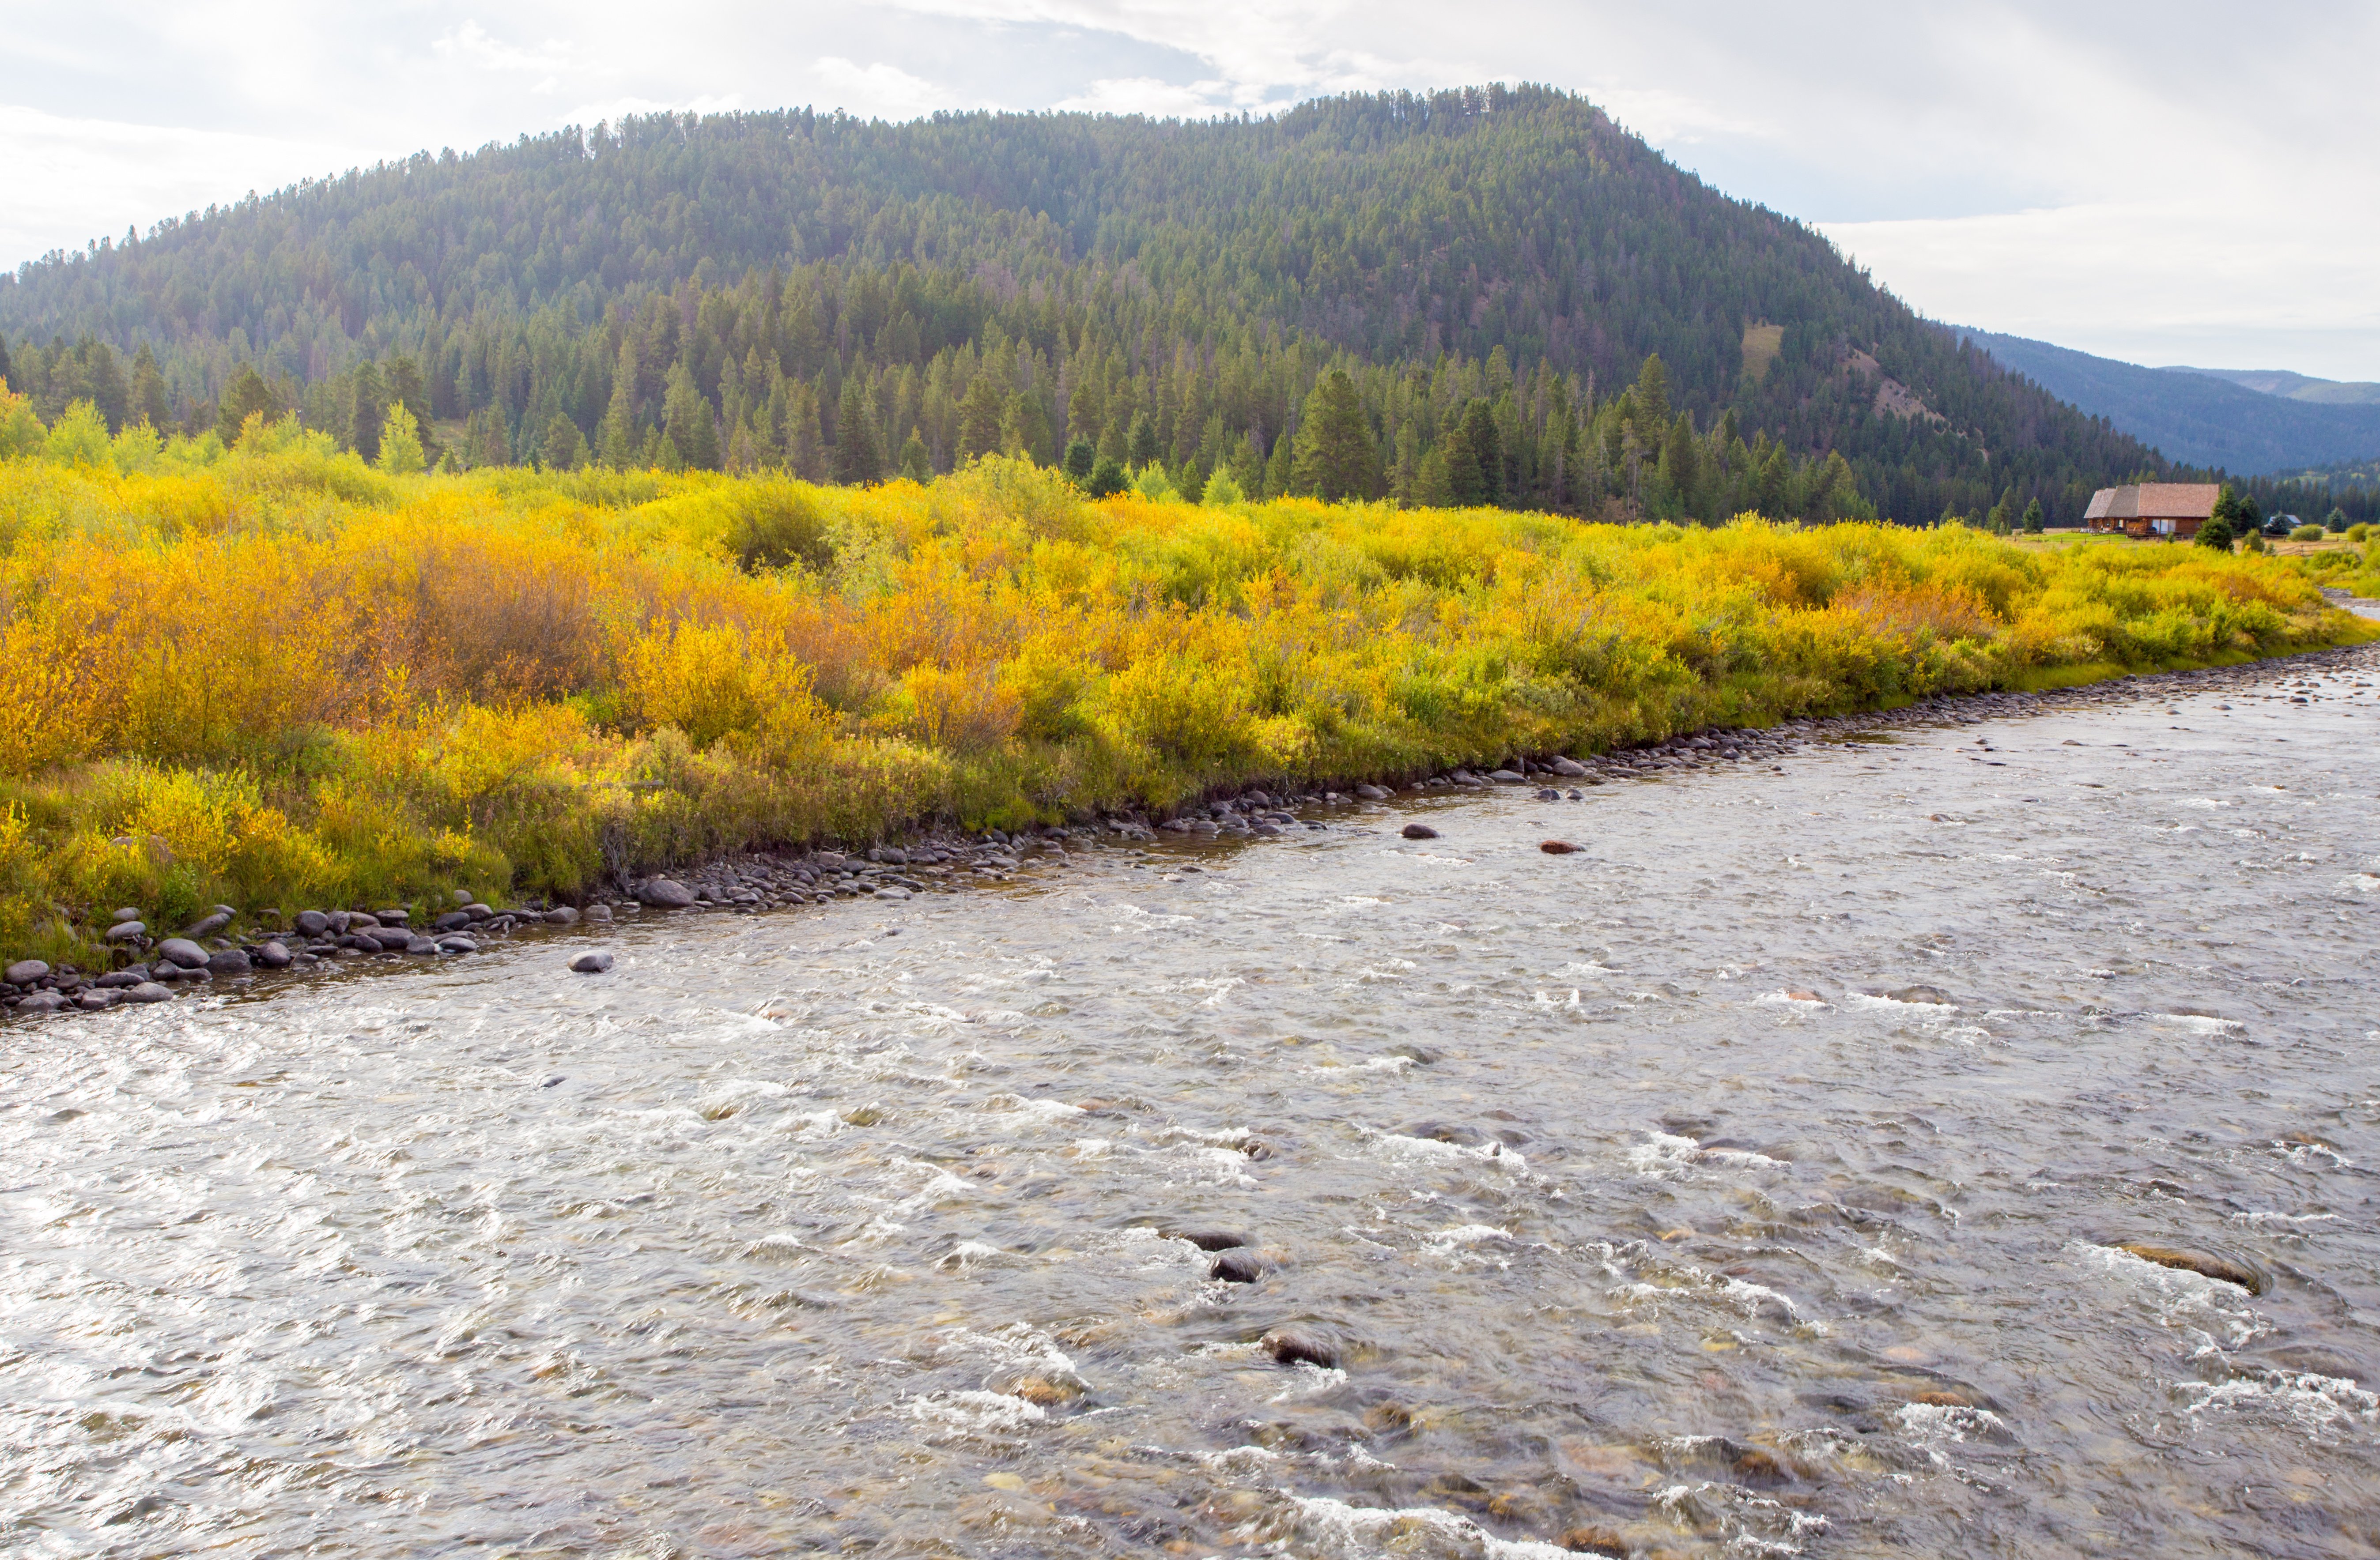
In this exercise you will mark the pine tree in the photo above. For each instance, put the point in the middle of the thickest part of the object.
(1335, 458)
(149, 404)
(1653, 392)
(689, 421)
(857, 459)
(916, 463)
(247, 396)
(369, 406)
(1080, 458)
(979, 414)
(565, 448)
(1680, 475)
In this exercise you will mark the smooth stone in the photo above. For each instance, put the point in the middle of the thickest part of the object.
(891, 893)
(41, 1002)
(1371, 793)
(127, 913)
(230, 962)
(1237, 1267)
(95, 1000)
(591, 963)
(24, 972)
(125, 931)
(119, 978)
(1547, 794)
(182, 951)
(421, 948)
(453, 921)
(2202, 1262)
(1295, 1345)
(1507, 777)
(1569, 768)
(561, 915)
(457, 944)
(147, 991)
(598, 913)
(1210, 1239)
(1419, 831)
(462, 896)
(208, 926)
(663, 893)
(361, 920)
(390, 939)
(1556, 847)
(273, 956)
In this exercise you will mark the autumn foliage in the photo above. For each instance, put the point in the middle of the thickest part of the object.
(279, 675)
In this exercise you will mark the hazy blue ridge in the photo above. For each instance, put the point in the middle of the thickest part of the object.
(2191, 416)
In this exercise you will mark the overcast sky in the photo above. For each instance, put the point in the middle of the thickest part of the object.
(2164, 183)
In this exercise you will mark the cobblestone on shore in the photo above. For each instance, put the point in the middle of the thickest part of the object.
(219, 952)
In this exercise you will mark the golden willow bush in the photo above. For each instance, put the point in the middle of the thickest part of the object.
(278, 677)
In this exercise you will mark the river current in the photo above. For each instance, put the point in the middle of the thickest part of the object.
(1752, 1181)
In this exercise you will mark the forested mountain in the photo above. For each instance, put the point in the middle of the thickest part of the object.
(2203, 417)
(1493, 268)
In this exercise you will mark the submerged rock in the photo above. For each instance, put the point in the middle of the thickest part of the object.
(1557, 847)
(1237, 1266)
(591, 963)
(2205, 1263)
(1419, 831)
(1301, 1346)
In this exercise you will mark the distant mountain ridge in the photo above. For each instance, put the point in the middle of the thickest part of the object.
(2247, 423)
(1485, 245)
(2294, 386)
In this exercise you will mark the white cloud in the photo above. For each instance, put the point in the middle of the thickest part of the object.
(880, 90)
(470, 44)
(69, 177)
(1147, 94)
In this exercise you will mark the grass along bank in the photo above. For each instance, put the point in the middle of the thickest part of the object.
(281, 678)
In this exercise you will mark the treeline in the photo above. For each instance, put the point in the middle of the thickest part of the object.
(679, 282)
(749, 378)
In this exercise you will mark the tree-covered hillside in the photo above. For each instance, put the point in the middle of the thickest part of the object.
(1492, 267)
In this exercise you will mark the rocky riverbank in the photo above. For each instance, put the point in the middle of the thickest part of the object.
(226, 950)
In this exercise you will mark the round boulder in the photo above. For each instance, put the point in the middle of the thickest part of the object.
(183, 951)
(147, 991)
(230, 962)
(24, 972)
(591, 963)
(665, 893)
(125, 931)
(1419, 831)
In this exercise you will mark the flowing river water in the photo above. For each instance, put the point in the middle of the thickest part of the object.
(1636, 1210)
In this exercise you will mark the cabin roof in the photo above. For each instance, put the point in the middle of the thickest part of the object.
(2156, 500)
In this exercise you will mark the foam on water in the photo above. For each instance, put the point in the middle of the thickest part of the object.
(792, 1237)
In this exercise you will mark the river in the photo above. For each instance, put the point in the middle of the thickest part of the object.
(1750, 1181)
